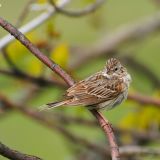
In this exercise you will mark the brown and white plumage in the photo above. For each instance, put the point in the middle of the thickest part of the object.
(104, 89)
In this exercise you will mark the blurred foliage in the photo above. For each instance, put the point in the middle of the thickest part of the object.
(60, 54)
(41, 1)
(18, 53)
(148, 118)
(24, 134)
(51, 30)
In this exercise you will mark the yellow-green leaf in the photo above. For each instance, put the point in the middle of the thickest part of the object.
(41, 1)
(60, 54)
(35, 67)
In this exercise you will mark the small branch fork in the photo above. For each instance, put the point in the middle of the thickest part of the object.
(54, 67)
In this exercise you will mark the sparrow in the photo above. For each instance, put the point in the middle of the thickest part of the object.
(102, 90)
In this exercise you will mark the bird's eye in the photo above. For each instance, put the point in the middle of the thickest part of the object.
(116, 69)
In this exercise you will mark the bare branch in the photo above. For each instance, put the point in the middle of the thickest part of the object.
(112, 41)
(131, 61)
(54, 67)
(137, 97)
(138, 151)
(46, 120)
(35, 51)
(15, 155)
(147, 100)
(108, 129)
(78, 13)
(35, 80)
(43, 119)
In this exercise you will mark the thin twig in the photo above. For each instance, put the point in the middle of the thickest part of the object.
(54, 67)
(131, 61)
(69, 119)
(78, 13)
(15, 155)
(142, 99)
(11, 64)
(24, 13)
(35, 80)
(138, 151)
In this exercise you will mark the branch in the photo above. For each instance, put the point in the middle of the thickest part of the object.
(142, 99)
(137, 97)
(109, 43)
(137, 151)
(35, 51)
(78, 13)
(137, 136)
(54, 67)
(44, 119)
(108, 129)
(49, 121)
(35, 80)
(69, 119)
(131, 61)
(33, 24)
(15, 155)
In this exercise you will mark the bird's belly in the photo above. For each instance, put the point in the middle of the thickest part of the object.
(114, 102)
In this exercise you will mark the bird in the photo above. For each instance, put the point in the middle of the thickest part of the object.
(102, 90)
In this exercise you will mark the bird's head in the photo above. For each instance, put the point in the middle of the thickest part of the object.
(114, 68)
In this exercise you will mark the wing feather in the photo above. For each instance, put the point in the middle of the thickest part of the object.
(96, 88)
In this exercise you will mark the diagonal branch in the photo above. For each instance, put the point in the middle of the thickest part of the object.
(106, 126)
(15, 155)
(35, 51)
(131, 61)
(54, 67)
(112, 41)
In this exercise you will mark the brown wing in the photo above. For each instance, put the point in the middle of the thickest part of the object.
(95, 89)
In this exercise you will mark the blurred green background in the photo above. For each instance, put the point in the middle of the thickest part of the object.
(28, 136)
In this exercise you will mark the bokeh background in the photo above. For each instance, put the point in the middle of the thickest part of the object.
(65, 40)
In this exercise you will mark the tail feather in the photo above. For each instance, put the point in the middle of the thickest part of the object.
(56, 104)
(53, 105)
